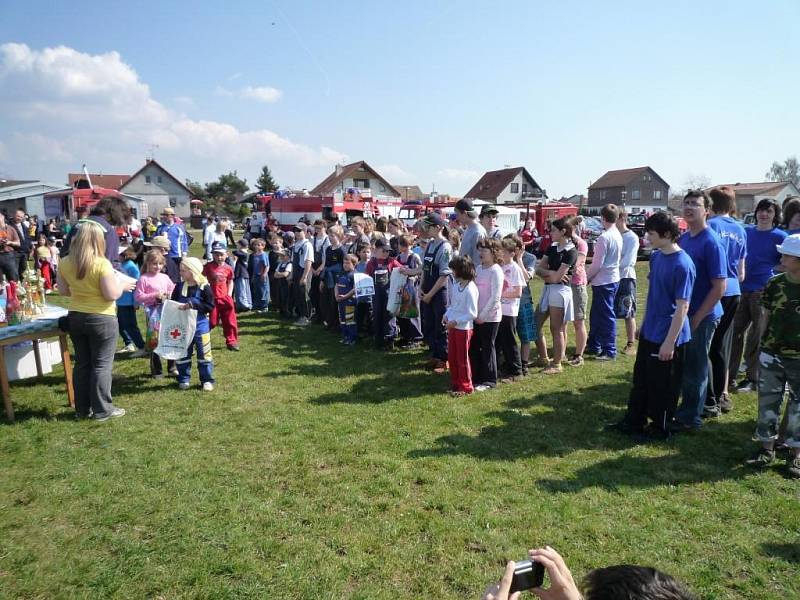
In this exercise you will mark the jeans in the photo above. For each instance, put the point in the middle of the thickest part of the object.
(8, 266)
(603, 321)
(128, 327)
(748, 325)
(777, 374)
(205, 361)
(695, 374)
(94, 338)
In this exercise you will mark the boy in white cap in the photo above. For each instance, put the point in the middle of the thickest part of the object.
(779, 361)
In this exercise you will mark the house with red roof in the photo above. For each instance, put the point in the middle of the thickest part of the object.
(506, 186)
(640, 189)
(357, 176)
(748, 195)
(158, 189)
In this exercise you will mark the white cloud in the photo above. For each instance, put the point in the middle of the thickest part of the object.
(64, 106)
(459, 174)
(395, 174)
(262, 93)
(184, 101)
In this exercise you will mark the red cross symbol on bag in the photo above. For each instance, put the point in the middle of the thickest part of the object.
(175, 333)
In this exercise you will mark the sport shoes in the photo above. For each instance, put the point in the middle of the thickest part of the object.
(115, 412)
(183, 385)
(710, 412)
(301, 322)
(482, 387)
(745, 385)
(793, 467)
(629, 349)
(603, 356)
(127, 349)
(762, 459)
(725, 404)
(233, 347)
(511, 379)
(139, 353)
(173, 372)
(575, 360)
(208, 386)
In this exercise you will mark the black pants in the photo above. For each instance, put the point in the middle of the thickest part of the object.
(482, 357)
(656, 387)
(301, 304)
(507, 344)
(8, 266)
(316, 298)
(719, 355)
(364, 318)
(94, 338)
(22, 263)
(155, 364)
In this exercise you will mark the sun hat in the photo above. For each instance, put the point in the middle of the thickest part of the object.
(790, 245)
(159, 241)
(196, 267)
(168, 210)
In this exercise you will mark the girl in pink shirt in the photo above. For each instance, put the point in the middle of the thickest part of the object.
(151, 290)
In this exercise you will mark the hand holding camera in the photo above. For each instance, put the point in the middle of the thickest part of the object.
(529, 575)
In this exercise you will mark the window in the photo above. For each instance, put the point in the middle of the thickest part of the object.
(656, 194)
(383, 187)
(602, 194)
(147, 179)
(636, 195)
(173, 201)
(515, 188)
(524, 188)
(362, 184)
(158, 179)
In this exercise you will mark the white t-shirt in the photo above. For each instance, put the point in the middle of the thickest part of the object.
(512, 277)
(490, 283)
(630, 249)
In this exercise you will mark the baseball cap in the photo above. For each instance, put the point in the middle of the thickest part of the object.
(159, 241)
(465, 205)
(299, 227)
(434, 218)
(790, 245)
(218, 247)
(381, 243)
(488, 209)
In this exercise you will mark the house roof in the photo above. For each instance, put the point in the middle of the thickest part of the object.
(112, 182)
(152, 161)
(23, 189)
(491, 185)
(622, 177)
(411, 192)
(328, 185)
(757, 189)
(14, 182)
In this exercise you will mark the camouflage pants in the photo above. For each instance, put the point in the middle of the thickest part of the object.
(776, 374)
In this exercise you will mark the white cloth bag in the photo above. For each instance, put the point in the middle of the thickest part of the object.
(176, 331)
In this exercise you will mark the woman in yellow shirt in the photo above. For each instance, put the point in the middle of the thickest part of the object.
(86, 276)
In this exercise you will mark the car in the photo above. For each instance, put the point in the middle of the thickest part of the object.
(592, 228)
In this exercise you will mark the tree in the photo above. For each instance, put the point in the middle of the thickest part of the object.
(265, 182)
(788, 171)
(197, 189)
(229, 187)
(695, 182)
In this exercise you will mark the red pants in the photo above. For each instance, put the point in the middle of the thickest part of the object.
(458, 357)
(225, 312)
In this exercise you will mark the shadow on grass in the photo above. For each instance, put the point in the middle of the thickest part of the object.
(787, 552)
(556, 425)
(65, 413)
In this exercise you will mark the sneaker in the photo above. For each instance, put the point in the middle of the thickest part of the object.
(793, 467)
(745, 385)
(115, 412)
(710, 412)
(761, 459)
(575, 361)
(482, 387)
(208, 386)
(127, 349)
(629, 349)
(301, 322)
(173, 372)
(725, 404)
(511, 379)
(140, 353)
(183, 385)
(603, 356)
(233, 347)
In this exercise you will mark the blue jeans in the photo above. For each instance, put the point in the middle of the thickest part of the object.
(602, 320)
(201, 344)
(128, 327)
(695, 374)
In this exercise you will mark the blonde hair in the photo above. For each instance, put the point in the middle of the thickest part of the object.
(89, 244)
(153, 256)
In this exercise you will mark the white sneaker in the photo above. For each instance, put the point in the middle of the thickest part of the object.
(208, 386)
(115, 412)
(183, 386)
(482, 388)
(301, 322)
(139, 353)
(126, 349)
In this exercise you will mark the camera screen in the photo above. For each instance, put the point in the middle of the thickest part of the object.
(527, 574)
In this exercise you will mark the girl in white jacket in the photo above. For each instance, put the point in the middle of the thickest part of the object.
(458, 318)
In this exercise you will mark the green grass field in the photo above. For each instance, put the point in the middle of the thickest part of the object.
(317, 471)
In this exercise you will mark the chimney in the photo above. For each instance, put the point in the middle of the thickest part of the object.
(339, 169)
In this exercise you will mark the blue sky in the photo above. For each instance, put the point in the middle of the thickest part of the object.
(430, 93)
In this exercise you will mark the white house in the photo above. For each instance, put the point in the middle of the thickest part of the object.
(29, 196)
(749, 194)
(359, 176)
(506, 186)
(158, 189)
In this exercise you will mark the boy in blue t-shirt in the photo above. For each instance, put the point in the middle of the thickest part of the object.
(732, 235)
(662, 337)
(705, 249)
(126, 310)
(345, 293)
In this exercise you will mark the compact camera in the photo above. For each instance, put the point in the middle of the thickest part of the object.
(527, 574)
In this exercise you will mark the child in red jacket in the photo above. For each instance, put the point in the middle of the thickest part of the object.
(220, 276)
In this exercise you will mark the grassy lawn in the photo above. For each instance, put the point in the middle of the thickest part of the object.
(317, 471)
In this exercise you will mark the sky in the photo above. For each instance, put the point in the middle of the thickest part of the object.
(429, 93)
